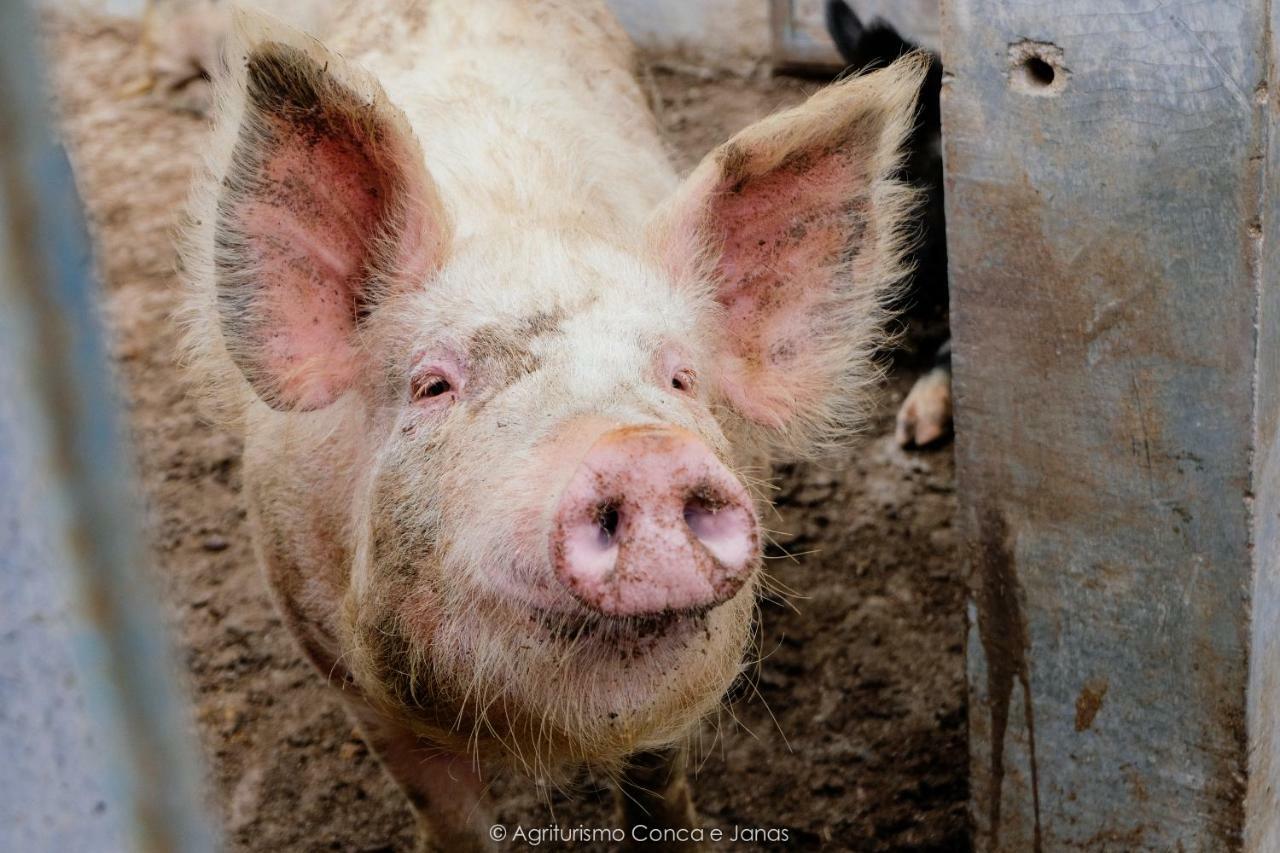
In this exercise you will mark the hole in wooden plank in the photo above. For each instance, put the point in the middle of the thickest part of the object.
(1036, 68)
(1039, 72)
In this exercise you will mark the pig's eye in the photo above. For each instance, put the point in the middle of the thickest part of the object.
(684, 380)
(437, 380)
(430, 385)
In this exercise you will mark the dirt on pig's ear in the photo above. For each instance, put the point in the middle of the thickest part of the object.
(796, 229)
(319, 204)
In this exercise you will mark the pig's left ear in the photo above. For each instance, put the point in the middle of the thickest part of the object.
(324, 204)
(797, 225)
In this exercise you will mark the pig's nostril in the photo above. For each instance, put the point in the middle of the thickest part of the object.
(722, 525)
(700, 513)
(607, 519)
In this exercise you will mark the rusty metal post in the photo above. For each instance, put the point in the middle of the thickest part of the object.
(104, 761)
(1115, 290)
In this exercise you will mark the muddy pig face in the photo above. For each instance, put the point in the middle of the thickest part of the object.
(556, 546)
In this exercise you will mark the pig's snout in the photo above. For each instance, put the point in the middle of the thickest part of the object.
(650, 523)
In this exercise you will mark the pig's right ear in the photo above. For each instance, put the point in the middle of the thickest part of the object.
(793, 231)
(323, 206)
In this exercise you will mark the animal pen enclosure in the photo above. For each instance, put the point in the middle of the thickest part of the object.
(1113, 232)
(96, 757)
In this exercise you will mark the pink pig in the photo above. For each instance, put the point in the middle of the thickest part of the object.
(502, 376)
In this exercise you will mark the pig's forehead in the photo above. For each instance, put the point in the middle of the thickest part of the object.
(557, 290)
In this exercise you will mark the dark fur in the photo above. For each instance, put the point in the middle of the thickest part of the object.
(865, 47)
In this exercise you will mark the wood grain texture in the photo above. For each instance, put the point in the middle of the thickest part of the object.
(1113, 393)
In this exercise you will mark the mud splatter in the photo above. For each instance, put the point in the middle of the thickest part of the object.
(1089, 702)
(1002, 627)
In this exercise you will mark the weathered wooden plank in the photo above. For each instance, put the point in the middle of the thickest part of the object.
(1105, 184)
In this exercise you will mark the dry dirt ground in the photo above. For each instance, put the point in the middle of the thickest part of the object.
(854, 735)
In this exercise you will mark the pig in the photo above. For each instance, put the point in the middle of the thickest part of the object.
(510, 389)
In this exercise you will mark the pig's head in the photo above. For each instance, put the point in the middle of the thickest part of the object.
(555, 538)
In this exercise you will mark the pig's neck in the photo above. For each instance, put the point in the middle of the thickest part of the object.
(528, 110)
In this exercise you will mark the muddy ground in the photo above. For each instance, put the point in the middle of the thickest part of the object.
(855, 739)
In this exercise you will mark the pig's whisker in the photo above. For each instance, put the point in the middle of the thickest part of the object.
(729, 710)
(704, 752)
(627, 794)
(765, 480)
(790, 555)
(760, 659)
(328, 679)
(775, 585)
(769, 711)
(785, 553)
(782, 601)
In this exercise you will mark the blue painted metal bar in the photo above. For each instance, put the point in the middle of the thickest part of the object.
(89, 519)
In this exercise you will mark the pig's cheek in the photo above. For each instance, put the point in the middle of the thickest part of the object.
(521, 578)
(423, 421)
(422, 612)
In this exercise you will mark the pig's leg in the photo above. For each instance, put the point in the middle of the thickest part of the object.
(654, 792)
(925, 415)
(444, 788)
